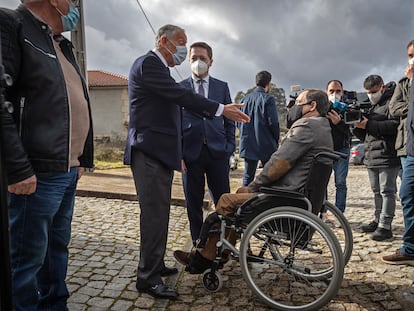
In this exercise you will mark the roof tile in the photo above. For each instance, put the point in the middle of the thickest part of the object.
(100, 78)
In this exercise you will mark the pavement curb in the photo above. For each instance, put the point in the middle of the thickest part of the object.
(122, 196)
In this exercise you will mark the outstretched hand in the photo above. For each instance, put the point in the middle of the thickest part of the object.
(233, 112)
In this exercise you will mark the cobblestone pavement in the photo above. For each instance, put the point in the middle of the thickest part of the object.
(105, 249)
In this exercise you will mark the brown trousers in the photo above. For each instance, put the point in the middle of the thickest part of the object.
(225, 206)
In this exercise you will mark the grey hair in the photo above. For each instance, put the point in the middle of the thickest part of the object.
(167, 30)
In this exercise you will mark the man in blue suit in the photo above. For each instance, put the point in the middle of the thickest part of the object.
(260, 138)
(153, 147)
(207, 143)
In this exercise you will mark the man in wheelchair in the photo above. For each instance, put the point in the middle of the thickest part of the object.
(288, 168)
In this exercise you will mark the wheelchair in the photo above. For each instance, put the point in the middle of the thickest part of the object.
(341, 228)
(289, 257)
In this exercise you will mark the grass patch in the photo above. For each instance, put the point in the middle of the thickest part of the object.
(109, 155)
(104, 165)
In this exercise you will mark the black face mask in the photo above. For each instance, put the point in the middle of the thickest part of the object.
(294, 114)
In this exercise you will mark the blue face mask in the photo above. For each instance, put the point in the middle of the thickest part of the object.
(180, 54)
(70, 20)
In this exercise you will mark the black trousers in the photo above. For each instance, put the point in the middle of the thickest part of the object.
(217, 173)
(153, 183)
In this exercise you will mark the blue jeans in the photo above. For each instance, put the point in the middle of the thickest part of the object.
(340, 168)
(407, 200)
(383, 184)
(40, 229)
(250, 167)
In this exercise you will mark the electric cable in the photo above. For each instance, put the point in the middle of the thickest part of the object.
(153, 30)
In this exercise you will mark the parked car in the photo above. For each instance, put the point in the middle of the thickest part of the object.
(357, 154)
(355, 141)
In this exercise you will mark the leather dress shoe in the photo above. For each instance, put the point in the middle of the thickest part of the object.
(159, 291)
(183, 258)
(167, 271)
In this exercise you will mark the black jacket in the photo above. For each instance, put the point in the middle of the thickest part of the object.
(39, 139)
(154, 111)
(341, 135)
(380, 133)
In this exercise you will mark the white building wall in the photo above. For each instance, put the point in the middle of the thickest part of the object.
(109, 112)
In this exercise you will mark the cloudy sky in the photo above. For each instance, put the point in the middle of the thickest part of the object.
(306, 42)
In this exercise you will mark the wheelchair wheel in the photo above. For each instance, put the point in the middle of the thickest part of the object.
(285, 254)
(212, 281)
(340, 226)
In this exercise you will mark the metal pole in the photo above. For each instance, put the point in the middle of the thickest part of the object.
(78, 41)
(5, 272)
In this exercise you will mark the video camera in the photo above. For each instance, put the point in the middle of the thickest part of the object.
(353, 106)
(293, 89)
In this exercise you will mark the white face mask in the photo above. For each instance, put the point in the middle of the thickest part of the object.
(411, 61)
(374, 98)
(334, 97)
(199, 67)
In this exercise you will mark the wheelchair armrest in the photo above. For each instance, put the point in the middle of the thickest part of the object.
(281, 192)
(248, 202)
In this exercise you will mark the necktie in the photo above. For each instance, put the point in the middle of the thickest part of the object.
(201, 87)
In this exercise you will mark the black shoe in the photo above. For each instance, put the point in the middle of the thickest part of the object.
(159, 291)
(167, 271)
(198, 264)
(371, 227)
(381, 234)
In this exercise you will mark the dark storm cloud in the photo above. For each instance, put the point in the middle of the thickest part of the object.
(306, 42)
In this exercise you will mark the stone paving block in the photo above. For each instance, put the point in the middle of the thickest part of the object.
(98, 302)
(77, 306)
(110, 293)
(145, 302)
(100, 277)
(121, 305)
(80, 298)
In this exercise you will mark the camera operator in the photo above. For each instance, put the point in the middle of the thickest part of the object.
(378, 132)
(342, 142)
